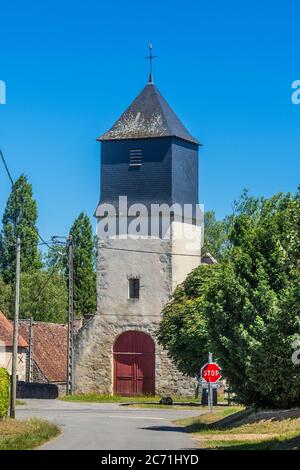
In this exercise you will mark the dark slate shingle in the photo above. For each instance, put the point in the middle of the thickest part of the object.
(148, 116)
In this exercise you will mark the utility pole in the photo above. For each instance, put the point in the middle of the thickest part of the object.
(30, 350)
(70, 319)
(15, 333)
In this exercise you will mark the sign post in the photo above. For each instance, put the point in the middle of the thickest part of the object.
(210, 397)
(210, 373)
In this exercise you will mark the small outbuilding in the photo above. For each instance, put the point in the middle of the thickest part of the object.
(6, 348)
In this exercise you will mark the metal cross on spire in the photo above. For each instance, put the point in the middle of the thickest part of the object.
(150, 57)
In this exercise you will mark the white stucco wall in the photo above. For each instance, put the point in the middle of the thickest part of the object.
(6, 361)
(186, 250)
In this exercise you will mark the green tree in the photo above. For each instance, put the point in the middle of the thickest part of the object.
(217, 232)
(5, 297)
(183, 329)
(44, 297)
(249, 304)
(4, 392)
(84, 272)
(57, 257)
(252, 304)
(19, 219)
(215, 235)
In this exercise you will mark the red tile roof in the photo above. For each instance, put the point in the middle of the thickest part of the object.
(49, 348)
(6, 333)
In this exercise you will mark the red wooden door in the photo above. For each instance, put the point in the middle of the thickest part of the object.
(134, 364)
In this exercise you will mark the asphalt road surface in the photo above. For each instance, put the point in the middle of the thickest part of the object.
(110, 426)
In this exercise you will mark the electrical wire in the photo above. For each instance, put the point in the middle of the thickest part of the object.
(149, 251)
(41, 238)
(49, 277)
(12, 184)
(6, 168)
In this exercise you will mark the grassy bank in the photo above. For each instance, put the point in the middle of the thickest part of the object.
(233, 428)
(25, 435)
(177, 405)
(138, 400)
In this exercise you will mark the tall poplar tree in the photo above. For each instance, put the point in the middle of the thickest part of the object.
(84, 271)
(19, 219)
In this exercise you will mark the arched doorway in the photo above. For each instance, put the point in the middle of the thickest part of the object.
(134, 364)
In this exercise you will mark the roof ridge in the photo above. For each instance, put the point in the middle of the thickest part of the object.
(169, 109)
(159, 96)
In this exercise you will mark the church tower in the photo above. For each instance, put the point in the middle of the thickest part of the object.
(150, 159)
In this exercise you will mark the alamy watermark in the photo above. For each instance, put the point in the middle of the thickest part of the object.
(296, 353)
(181, 222)
(296, 93)
(2, 92)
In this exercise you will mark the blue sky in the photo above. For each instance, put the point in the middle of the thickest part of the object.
(71, 68)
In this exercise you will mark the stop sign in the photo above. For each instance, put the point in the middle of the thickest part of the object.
(211, 372)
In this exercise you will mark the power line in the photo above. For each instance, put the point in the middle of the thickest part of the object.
(46, 243)
(107, 248)
(41, 238)
(149, 251)
(12, 183)
(6, 168)
(50, 275)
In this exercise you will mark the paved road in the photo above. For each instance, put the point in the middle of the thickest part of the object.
(110, 426)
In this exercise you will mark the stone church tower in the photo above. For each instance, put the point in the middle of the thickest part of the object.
(149, 157)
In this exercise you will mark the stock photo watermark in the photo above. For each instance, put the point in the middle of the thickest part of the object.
(2, 92)
(296, 93)
(296, 353)
(183, 222)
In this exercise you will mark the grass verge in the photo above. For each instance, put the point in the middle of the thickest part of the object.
(177, 405)
(235, 428)
(151, 401)
(27, 434)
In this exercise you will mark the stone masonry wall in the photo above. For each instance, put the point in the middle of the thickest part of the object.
(119, 260)
(94, 358)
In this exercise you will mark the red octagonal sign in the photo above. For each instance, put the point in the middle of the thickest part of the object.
(211, 372)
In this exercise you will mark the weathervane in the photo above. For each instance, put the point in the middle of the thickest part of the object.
(150, 57)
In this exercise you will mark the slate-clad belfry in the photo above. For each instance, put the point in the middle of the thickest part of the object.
(149, 157)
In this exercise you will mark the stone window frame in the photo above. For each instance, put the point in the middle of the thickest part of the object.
(133, 277)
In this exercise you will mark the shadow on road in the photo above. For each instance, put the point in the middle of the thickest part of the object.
(165, 428)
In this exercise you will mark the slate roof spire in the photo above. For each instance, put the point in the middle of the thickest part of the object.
(148, 116)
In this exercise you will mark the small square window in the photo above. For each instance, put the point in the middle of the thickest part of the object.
(134, 288)
(136, 157)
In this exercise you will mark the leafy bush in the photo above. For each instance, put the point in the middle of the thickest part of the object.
(183, 329)
(4, 392)
(246, 309)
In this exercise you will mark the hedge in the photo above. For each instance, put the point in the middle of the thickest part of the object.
(4, 392)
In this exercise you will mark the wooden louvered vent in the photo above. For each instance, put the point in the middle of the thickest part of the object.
(136, 157)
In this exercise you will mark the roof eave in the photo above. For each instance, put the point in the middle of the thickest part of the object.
(102, 138)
